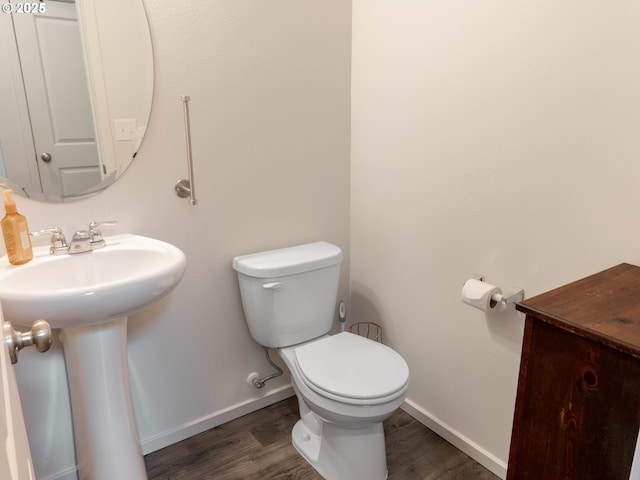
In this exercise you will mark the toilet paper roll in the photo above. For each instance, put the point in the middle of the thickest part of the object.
(480, 295)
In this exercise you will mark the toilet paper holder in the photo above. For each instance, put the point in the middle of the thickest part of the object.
(504, 299)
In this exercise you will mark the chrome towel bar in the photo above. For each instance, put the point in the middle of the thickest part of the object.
(186, 187)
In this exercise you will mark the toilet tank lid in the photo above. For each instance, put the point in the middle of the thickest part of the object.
(288, 261)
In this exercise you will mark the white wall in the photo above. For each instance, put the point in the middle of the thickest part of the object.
(269, 86)
(498, 137)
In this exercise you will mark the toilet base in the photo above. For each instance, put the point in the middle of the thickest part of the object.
(343, 453)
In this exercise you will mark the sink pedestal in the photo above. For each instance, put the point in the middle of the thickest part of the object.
(106, 438)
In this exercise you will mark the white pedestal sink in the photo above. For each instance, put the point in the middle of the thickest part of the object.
(89, 296)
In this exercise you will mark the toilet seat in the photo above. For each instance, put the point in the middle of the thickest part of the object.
(352, 369)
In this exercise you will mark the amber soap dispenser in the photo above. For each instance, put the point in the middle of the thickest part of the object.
(15, 232)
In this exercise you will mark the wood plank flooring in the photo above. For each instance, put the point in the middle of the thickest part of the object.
(258, 446)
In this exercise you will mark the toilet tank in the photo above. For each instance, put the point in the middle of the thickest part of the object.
(289, 295)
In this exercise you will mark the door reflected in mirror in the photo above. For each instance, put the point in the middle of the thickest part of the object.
(77, 80)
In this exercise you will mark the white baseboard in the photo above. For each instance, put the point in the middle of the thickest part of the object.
(199, 425)
(455, 438)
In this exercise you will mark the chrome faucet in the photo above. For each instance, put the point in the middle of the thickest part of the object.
(82, 240)
(87, 240)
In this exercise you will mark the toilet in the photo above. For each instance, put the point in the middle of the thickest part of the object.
(346, 384)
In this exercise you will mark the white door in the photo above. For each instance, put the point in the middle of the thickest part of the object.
(55, 81)
(15, 456)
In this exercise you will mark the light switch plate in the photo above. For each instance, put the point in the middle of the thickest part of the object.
(125, 129)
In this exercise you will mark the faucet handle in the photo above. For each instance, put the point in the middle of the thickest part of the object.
(105, 223)
(58, 241)
(96, 235)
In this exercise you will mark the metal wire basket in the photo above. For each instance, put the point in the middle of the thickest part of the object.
(369, 330)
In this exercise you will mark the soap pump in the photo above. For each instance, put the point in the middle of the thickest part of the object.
(15, 232)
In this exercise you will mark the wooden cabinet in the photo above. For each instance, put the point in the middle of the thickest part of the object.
(578, 404)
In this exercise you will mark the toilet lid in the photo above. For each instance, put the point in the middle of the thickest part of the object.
(351, 366)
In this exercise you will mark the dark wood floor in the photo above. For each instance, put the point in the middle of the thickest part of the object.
(258, 446)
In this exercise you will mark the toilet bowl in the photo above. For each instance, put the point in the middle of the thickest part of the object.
(346, 385)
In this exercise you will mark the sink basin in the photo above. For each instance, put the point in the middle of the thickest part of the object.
(127, 275)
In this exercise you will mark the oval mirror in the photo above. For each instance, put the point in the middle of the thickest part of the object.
(76, 84)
